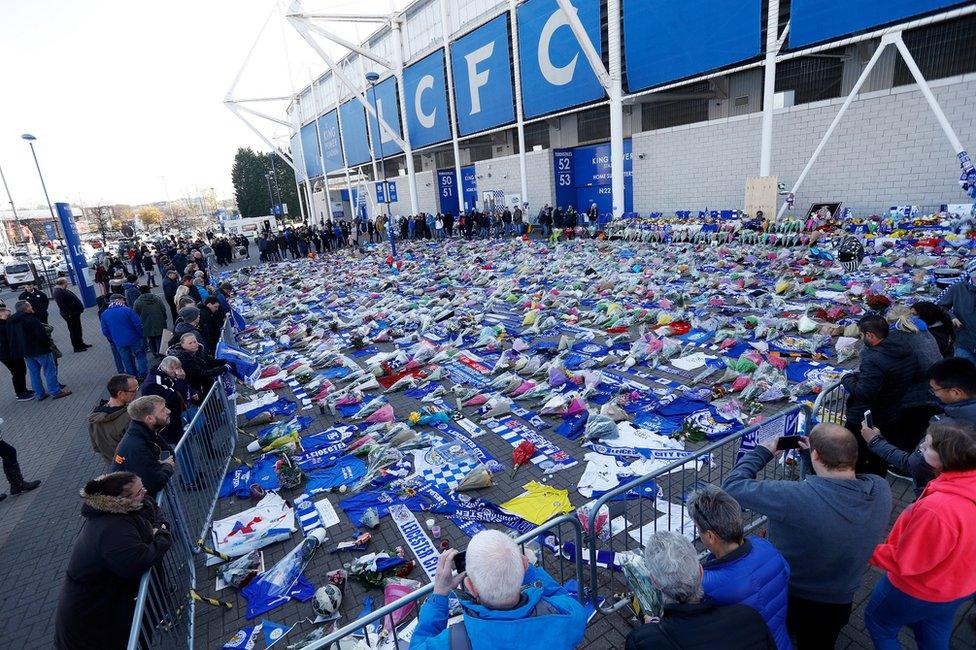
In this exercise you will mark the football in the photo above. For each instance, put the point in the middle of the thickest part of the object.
(327, 600)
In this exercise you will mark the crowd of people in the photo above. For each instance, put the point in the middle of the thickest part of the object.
(330, 235)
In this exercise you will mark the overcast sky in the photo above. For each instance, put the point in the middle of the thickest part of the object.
(122, 94)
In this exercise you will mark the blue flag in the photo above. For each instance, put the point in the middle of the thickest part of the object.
(273, 632)
(244, 366)
(239, 323)
(243, 639)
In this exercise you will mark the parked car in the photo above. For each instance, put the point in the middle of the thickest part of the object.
(22, 273)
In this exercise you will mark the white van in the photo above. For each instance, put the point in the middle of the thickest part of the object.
(20, 273)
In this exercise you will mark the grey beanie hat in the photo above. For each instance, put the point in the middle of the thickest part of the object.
(189, 314)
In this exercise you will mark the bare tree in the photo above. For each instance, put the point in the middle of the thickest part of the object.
(101, 218)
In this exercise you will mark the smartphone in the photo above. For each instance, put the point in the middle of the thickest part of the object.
(459, 562)
(869, 419)
(165, 455)
(786, 443)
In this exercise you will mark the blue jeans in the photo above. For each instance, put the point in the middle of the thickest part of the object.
(44, 363)
(891, 609)
(134, 359)
(119, 368)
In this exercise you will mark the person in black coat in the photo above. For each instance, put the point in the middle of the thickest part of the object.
(71, 309)
(170, 283)
(687, 622)
(211, 322)
(28, 340)
(168, 380)
(201, 369)
(38, 300)
(122, 536)
(16, 365)
(140, 447)
(940, 325)
(888, 368)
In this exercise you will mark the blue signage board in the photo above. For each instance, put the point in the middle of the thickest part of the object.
(298, 158)
(447, 191)
(666, 40)
(480, 62)
(75, 253)
(331, 144)
(384, 101)
(381, 195)
(310, 151)
(352, 117)
(555, 72)
(812, 21)
(425, 91)
(51, 231)
(469, 187)
(562, 160)
(583, 177)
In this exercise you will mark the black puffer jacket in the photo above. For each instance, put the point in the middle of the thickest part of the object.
(115, 547)
(886, 373)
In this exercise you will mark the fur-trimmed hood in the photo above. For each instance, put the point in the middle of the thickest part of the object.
(96, 505)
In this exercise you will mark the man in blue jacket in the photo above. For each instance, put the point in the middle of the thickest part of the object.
(740, 570)
(506, 601)
(123, 329)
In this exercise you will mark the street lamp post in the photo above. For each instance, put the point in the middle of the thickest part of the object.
(372, 78)
(274, 175)
(64, 253)
(267, 177)
(10, 200)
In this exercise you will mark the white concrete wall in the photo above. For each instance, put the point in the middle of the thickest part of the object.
(503, 174)
(888, 149)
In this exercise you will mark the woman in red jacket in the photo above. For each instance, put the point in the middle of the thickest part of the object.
(929, 553)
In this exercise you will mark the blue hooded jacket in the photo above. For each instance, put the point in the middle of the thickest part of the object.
(755, 574)
(121, 326)
(492, 629)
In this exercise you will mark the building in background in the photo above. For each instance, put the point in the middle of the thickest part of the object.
(692, 76)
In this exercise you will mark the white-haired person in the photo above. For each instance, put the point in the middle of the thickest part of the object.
(688, 621)
(507, 602)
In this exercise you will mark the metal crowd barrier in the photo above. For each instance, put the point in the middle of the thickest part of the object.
(831, 405)
(674, 484)
(164, 608)
(546, 541)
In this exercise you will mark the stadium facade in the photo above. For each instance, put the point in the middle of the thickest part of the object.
(481, 101)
